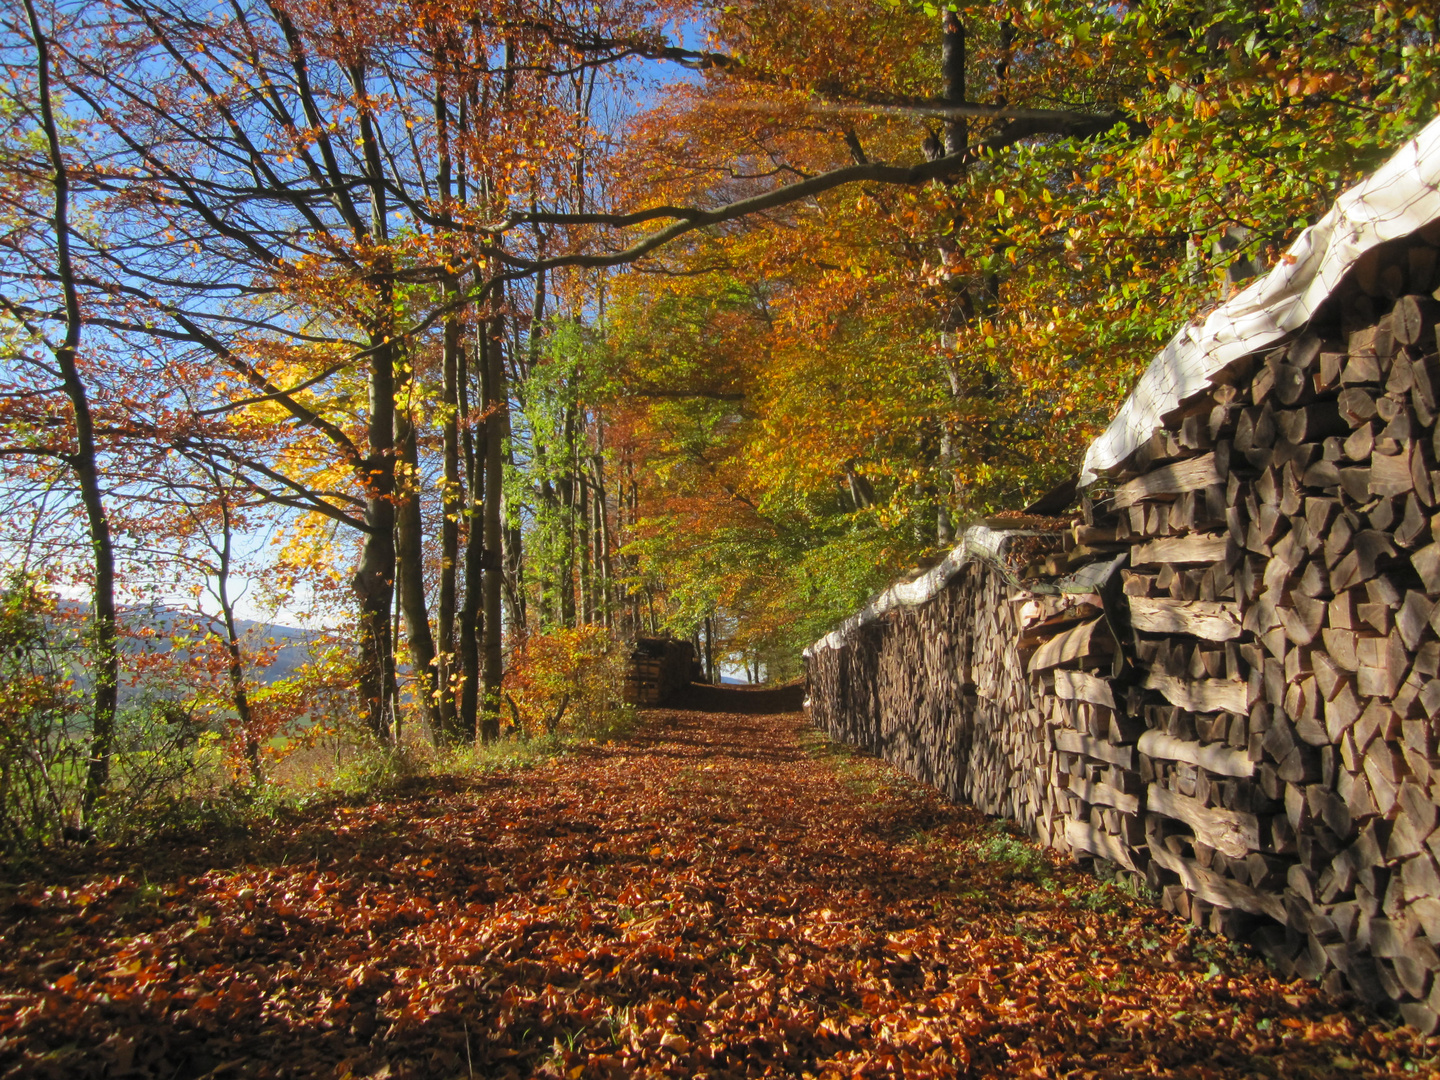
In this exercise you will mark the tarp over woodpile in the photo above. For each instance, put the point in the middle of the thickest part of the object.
(996, 544)
(1400, 198)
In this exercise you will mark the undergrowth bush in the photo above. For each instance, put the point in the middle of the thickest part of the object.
(161, 752)
(179, 760)
(565, 681)
(42, 723)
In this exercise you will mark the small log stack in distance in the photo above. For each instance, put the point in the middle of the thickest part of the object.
(1247, 712)
(657, 669)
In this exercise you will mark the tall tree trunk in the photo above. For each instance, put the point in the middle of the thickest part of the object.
(514, 557)
(710, 648)
(602, 540)
(957, 134)
(239, 695)
(410, 553)
(566, 483)
(952, 69)
(582, 546)
(496, 436)
(375, 580)
(471, 611)
(397, 717)
(451, 507)
(549, 560)
(84, 461)
(625, 504)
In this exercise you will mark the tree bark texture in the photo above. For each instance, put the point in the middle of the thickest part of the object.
(497, 434)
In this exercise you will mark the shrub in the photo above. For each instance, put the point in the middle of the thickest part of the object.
(164, 749)
(565, 681)
(42, 721)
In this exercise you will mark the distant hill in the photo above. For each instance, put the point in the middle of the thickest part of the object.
(150, 627)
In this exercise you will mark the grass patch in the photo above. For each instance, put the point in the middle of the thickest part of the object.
(342, 769)
(856, 769)
(1010, 854)
(361, 767)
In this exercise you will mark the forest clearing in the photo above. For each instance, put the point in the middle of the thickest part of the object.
(722, 896)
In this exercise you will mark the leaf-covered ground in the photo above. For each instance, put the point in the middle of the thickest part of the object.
(720, 897)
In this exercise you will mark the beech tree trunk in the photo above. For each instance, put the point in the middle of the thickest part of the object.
(374, 582)
(410, 542)
(952, 67)
(602, 543)
(566, 485)
(496, 435)
(84, 460)
(582, 547)
(956, 137)
(514, 558)
(451, 507)
(239, 696)
(375, 578)
(471, 620)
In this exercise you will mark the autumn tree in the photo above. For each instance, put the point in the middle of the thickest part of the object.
(47, 280)
(319, 202)
(931, 355)
(366, 265)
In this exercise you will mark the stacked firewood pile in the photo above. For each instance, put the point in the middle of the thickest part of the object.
(1070, 650)
(1008, 755)
(939, 690)
(656, 669)
(1283, 579)
(1243, 707)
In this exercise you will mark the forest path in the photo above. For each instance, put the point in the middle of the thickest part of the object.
(722, 895)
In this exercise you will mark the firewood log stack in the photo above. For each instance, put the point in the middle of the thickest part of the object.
(1008, 760)
(940, 691)
(1282, 600)
(1247, 712)
(1093, 799)
(656, 669)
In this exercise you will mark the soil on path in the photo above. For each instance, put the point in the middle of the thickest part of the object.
(721, 896)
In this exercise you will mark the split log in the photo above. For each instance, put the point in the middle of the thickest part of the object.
(1189, 475)
(1104, 795)
(1216, 759)
(1227, 831)
(1197, 548)
(1072, 742)
(1201, 695)
(1212, 621)
(1087, 642)
(1086, 837)
(1216, 889)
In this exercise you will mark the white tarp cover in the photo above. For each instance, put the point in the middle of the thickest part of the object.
(977, 540)
(1399, 198)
